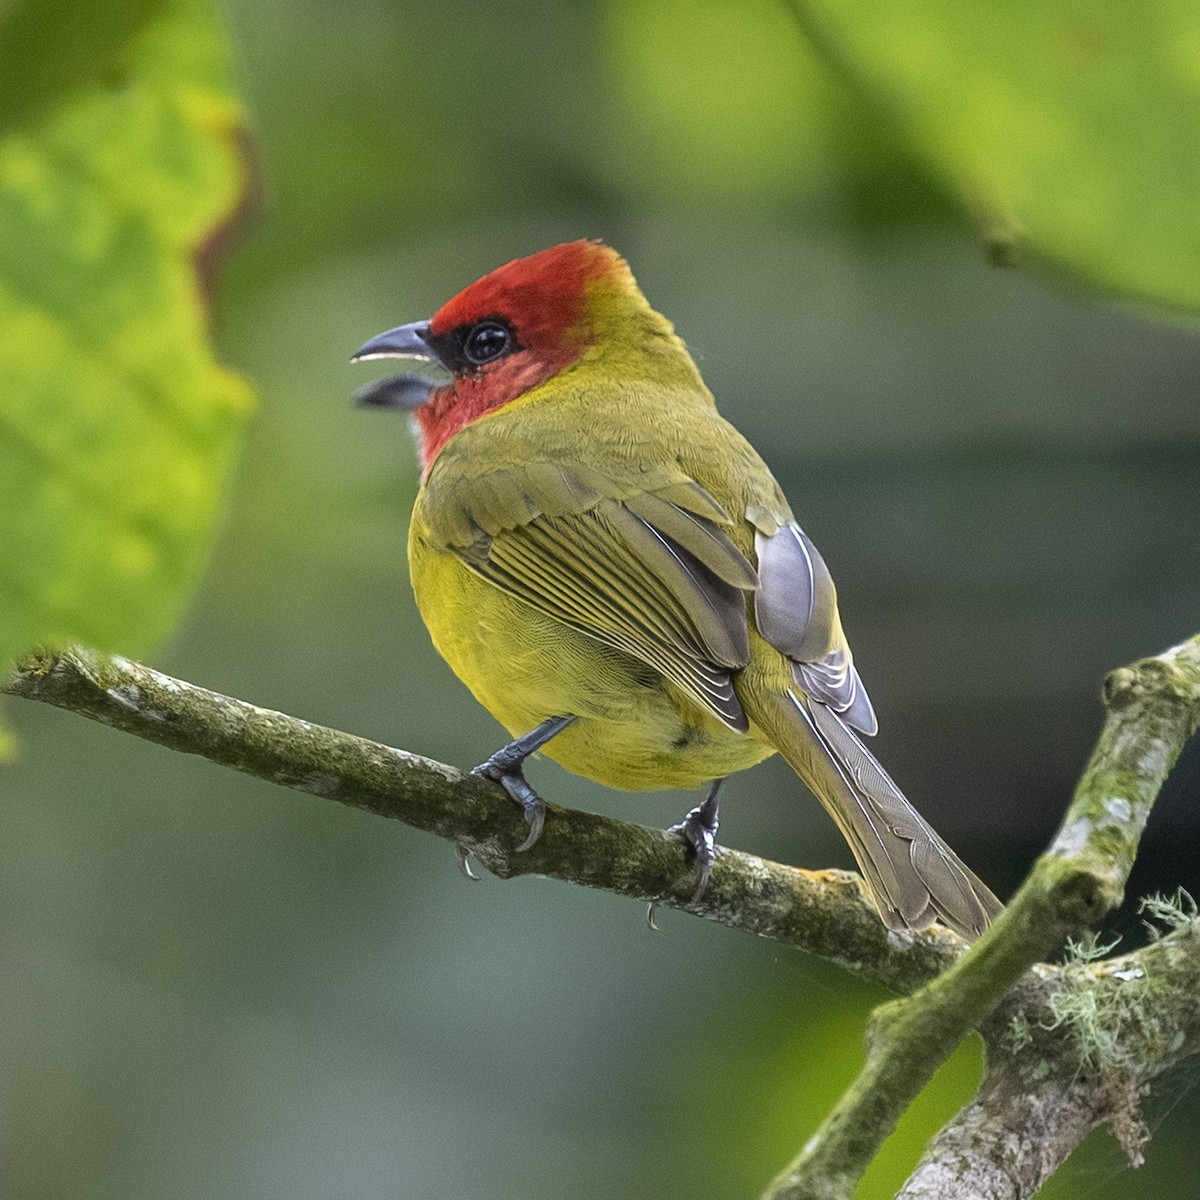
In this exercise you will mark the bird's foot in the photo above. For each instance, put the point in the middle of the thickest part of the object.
(506, 768)
(699, 831)
(513, 781)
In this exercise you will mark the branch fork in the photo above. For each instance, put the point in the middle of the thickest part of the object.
(1069, 1046)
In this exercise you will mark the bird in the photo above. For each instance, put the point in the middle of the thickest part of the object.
(615, 574)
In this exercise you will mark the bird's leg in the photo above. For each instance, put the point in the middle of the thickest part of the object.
(699, 830)
(506, 768)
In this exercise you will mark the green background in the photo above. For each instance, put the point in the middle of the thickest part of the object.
(213, 988)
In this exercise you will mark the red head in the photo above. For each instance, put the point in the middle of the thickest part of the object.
(507, 333)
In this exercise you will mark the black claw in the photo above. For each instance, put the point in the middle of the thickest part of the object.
(534, 806)
(505, 767)
(699, 830)
(462, 855)
(513, 781)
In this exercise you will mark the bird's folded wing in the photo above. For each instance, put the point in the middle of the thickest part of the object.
(796, 611)
(649, 571)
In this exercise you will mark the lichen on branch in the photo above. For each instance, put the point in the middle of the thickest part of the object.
(1070, 1046)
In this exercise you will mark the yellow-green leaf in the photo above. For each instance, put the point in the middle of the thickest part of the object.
(1072, 128)
(118, 176)
(747, 130)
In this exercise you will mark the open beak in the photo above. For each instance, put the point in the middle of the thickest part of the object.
(405, 341)
(407, 392)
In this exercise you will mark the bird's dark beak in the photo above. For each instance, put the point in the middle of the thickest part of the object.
(405, 341)
(407, 392)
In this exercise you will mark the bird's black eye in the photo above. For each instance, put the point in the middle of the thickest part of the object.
(486, 341)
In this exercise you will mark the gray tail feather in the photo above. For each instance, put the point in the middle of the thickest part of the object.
(913, 875)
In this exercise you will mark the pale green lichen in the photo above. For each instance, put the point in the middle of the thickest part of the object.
(1109, 1010)
(1088, 948)
(1173, 912)
(1093, 1021)
(1019, 1033)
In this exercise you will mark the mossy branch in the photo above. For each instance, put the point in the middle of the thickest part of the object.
(1070, 1049)
(824, 912)
(1153, 708)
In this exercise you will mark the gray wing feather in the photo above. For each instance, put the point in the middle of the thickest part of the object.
(796, 611)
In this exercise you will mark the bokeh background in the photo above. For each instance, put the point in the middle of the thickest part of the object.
(212, 988)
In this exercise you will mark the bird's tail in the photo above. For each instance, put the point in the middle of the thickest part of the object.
(913, 876)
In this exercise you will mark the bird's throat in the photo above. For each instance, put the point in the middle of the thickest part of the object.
(469, 398)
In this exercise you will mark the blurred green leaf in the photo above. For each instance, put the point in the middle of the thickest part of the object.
(728, 103)
(116, 425)
(52, 48)
(714, 97)
(1068, 128)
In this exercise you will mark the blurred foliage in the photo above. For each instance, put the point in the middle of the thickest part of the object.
(212, 988)
(727, 103)
(118, 165)
(1070, 129)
